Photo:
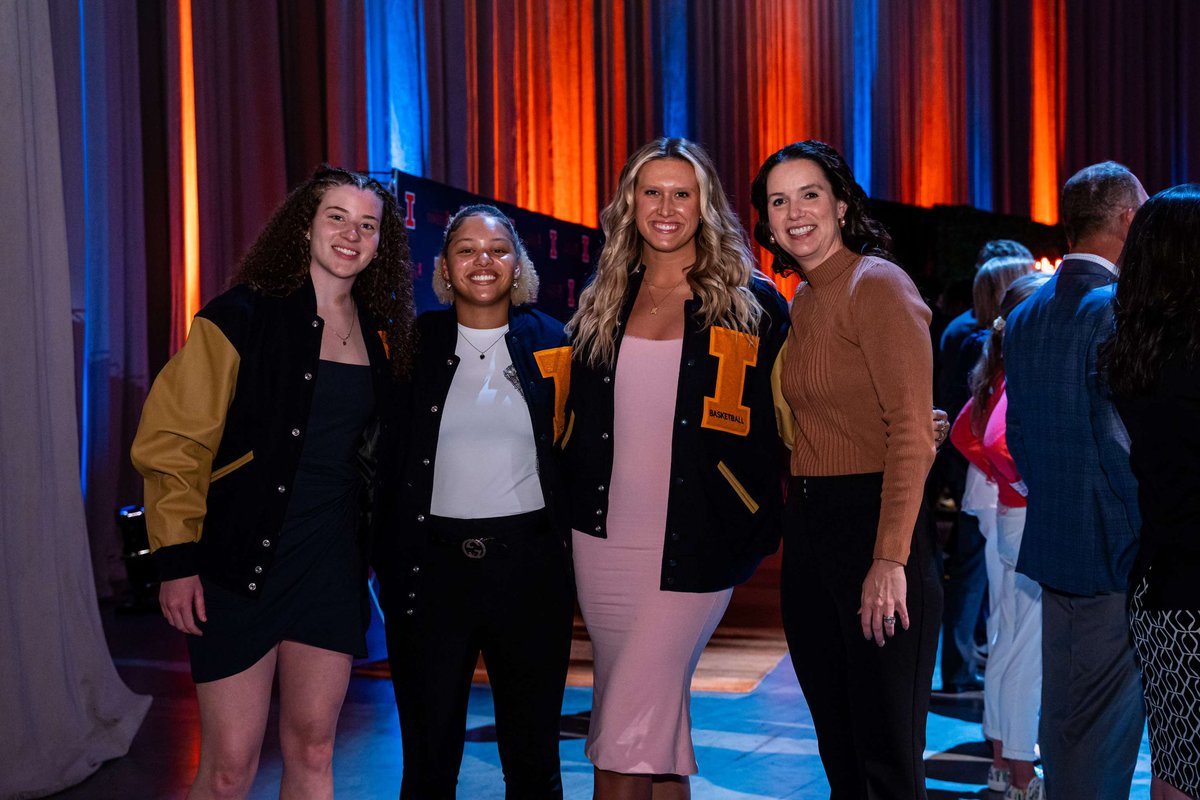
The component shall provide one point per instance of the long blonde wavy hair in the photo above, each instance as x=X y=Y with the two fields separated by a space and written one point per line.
x=720 y=277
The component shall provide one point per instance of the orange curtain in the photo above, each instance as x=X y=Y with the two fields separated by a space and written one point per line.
x=1048 y=103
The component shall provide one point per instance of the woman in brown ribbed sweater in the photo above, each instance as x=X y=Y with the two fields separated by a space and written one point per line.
x=861 y=600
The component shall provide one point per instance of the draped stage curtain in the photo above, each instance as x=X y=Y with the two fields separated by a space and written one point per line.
x=932 y=101
x=63 y=704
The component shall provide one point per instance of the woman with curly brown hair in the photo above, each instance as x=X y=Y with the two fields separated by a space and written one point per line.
x=257 y=444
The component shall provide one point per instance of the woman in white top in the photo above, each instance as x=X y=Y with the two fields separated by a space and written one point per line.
x=475 y=560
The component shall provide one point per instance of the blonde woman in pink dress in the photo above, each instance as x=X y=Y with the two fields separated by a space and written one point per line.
x=672 y=453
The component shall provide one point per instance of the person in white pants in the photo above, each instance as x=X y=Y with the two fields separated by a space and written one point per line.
x=1012 y=689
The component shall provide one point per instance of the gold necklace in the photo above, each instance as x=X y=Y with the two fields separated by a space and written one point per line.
x=353 y=317
x=650 y=287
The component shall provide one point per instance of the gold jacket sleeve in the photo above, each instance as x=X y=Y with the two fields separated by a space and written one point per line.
x=180 y=430
x=784 y=421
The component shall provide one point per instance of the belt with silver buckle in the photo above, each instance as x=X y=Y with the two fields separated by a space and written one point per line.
x=475 y=548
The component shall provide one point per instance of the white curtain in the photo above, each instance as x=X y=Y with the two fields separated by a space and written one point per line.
x=63 y=707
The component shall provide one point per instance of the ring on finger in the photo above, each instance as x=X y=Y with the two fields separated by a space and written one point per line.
x=889 y=620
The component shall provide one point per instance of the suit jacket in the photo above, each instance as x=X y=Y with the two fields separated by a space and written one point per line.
x=1081 y=532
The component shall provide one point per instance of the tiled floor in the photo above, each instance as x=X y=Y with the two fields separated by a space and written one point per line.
x=756 y=746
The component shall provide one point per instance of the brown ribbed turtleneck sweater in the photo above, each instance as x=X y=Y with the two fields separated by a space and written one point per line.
x=859 y=380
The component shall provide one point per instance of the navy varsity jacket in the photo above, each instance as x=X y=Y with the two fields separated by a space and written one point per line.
x=541 y=355
x=727 y=459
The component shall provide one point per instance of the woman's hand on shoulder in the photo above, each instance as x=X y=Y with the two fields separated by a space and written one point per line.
x=884 y=592
x=941 y=427
x=182 y=603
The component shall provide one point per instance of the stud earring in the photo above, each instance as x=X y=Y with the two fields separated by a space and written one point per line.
x=308 y=236
x=841 y=222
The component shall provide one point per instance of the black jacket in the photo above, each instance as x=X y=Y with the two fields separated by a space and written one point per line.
x=221 y=433
x=541 y=355
x=727 y=460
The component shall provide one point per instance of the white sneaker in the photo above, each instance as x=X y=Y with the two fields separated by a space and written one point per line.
x=1036 y=790
x=997 y=778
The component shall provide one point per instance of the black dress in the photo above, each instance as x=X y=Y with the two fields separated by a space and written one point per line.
x=315 y=594
x=1164 y=432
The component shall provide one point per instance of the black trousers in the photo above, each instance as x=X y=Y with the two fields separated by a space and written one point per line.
x=868 y=703
x=515 y=605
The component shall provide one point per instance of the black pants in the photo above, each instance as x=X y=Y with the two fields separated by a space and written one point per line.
x=515 y=605
x=868 y=703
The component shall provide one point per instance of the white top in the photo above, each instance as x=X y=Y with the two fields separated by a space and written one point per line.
x=1101 y=260
x=486 y=462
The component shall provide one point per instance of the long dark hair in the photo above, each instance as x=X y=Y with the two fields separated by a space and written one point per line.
x=1158 y=293
x=862 y=233
x=278 y=261
x=991 y=361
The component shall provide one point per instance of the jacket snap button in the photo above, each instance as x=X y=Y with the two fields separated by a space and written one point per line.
x=420 y=517
x=281 y=488
x=308 y=376
x=258 y=570
x=600 y=488
x=674 y=537
x=316 y=323
x=670 y=581
x=683 y=422
x=599 y=528
x=691 y=362
x=449 y=362
x=252 y=586
x=604 y=436
x=295 y=431
x=416 y=569
x=408 y=611
x=672 y=563
x=607 y=379
x=266 y=542
x=412 y=595
x=599 y=512
x=433 y=409
x=425 y=461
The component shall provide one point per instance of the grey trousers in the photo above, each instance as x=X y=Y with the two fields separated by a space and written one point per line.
x=1093 y=712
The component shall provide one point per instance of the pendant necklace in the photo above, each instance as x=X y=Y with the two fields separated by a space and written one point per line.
x=654 y=303
x=483 y=352
x=346 y=338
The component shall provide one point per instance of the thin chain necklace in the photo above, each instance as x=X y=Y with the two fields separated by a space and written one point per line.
x=353 y=317
x=483 y=352
x=655 y=303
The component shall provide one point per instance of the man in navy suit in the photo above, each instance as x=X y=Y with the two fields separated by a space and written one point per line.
x=1081 y=531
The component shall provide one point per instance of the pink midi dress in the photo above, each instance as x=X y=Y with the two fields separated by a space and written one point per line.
x=646 y=641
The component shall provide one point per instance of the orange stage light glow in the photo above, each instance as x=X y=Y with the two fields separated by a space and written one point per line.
x=1048 y=69
x=1046 y=266
x=191 y=199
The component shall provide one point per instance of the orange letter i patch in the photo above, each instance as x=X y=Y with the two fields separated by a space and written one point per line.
x=556 y=365
x=735 y=351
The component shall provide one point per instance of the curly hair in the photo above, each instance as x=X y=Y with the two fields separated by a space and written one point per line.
x=1158 y=293
x=279 y=260
x=720 y=277
x=862 y=233
x=987 y=369
x=525 y=286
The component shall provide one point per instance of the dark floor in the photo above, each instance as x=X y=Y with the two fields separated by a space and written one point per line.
x=756 y=746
